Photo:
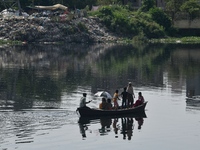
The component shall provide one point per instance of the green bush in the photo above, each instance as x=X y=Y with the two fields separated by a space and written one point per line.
x=192 y=7
x=146 y=26
x=153 y=30
x=147 y=5
x=106 y=11
x=160 y=17
x=121 y=20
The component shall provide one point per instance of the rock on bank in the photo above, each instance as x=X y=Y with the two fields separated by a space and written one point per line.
x=41 y=29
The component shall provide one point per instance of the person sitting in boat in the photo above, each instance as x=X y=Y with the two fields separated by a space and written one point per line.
x=83 y=101
x=115 y=99
x=140 y=100
x=103 y=104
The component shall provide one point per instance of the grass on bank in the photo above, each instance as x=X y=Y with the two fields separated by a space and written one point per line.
x=9 y=42
x=182 y=40
x=169 y=40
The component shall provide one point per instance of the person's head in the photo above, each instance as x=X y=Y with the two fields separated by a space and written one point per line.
x=129 y=84
x=103 y=99
x=84 y=94
x=125 y=88
x=140 y=93
x=116 y=91
x=109 y=100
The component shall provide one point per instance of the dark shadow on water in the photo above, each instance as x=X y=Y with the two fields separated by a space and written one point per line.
x=120 y=126
x=193 y=105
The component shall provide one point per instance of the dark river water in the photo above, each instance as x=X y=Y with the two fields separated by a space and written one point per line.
x=41 y=86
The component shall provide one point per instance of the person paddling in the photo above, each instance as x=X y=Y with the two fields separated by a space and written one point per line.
x=83 y=101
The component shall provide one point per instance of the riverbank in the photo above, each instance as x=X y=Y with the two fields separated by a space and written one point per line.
x=44 y=30
x=20 y=29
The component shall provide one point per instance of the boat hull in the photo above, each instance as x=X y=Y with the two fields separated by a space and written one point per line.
x=90 y=112
x=194 y=99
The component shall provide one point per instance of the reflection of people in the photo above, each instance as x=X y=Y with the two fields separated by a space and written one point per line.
x=83 y=128
x=130 y=94
x=115 y=127
x=124 y=129
x=129 y=128
x=140 y=122
x=105 y=125
x=140 y=100
x=83 y=101
x=115 y=98
x=103 y=104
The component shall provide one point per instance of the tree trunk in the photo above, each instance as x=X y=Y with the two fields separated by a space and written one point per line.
x=19 y=7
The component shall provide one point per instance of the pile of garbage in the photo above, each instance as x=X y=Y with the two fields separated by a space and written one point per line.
x=48 y=27
x=11 y=12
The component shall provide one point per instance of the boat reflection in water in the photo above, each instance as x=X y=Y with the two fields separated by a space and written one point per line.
x=193 y=102
x=105 y=126
x=123 y=125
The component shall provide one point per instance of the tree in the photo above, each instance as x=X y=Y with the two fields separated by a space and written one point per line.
x=173 y=6
x=147 y=5
x=192 y=7
x=11 y=4
x=160 y=17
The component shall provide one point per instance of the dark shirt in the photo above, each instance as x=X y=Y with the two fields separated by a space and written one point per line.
x=124 y=95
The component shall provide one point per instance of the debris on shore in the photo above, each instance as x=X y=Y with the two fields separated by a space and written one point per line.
x=46 y=27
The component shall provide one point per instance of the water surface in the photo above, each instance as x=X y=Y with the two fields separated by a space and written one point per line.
x=41 y=85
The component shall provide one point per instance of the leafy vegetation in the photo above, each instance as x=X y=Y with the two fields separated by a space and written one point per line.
x=2 y=42
x=160 y=17
x=147 y=5
x=183 y=40
x=192 y=7
x=121 y=20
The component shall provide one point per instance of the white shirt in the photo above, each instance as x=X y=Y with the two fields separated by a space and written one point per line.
x=82 y=102
x=130 y=90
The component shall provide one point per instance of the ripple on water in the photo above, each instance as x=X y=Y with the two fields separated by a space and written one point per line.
x=23 y=126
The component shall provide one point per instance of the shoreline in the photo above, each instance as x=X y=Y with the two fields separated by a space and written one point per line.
x=41 y=30
x=17 y=30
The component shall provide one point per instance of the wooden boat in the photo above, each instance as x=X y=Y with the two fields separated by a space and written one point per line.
x=92 y=112
x=193 y=99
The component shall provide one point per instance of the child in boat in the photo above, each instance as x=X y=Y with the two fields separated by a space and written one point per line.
x=140 y=100
x=115 y=98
